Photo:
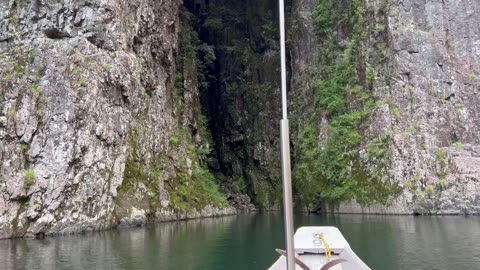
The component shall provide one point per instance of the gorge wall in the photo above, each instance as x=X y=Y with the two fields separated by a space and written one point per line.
x=123 y=112
x=382 y=100
x=243 y=95
x=421 y=65
x=96 y=128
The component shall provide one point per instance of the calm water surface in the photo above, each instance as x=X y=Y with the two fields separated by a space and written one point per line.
x=248 y=242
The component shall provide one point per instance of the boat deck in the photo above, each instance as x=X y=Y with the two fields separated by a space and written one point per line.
x=313 y=261
x=311 y=245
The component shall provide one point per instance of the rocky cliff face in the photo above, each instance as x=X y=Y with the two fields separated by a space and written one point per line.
x=94 y=131
x=426 y=99
x=435 y=60
x=407 y=112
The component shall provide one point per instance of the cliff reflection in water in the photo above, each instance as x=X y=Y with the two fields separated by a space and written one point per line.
x=248 y=242
x=172 y=245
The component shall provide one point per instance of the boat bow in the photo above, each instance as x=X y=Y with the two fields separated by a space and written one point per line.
x=321 y=248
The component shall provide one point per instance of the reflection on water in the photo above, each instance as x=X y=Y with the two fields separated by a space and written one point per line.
x=248 y=242
x=165 y=246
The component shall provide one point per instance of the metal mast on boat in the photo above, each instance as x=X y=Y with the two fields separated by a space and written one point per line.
x=285 y=141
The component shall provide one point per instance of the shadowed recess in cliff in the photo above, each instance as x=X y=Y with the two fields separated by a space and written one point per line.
x=239 y=92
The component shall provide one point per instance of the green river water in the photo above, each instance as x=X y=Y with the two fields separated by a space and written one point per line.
x=248 y=242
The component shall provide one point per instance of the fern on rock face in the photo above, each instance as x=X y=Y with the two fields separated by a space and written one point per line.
x=343 y=164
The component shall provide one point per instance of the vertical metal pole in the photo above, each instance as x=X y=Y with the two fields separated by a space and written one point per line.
x=287 y=178
x=287 y=195
x=283 y=60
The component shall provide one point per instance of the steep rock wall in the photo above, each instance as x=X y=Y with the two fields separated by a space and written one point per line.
x=243 y=97
x=427 y=100
x=90 y=116
x=418 y=65
x=436 y=61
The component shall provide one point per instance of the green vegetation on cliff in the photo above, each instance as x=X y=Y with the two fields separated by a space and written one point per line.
x=195 y=186
x=241 y=97
x=195 y=190
x=178 y=173
x=343 y=162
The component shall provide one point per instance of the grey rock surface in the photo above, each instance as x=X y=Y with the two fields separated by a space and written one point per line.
x=434 y=62
x=86 y=86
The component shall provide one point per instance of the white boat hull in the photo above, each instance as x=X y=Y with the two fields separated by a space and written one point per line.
x=312 y=252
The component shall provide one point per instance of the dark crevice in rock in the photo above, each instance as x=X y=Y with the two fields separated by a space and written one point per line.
x=55 y=33
x=452 y=95
x=241 y=102
x=98 y=39
x=37 y=4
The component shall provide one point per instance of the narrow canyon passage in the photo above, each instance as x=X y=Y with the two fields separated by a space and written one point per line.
x=123 y=113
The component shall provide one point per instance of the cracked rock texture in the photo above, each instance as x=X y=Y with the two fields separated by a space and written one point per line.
x=84 y=86
x=434 y=61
